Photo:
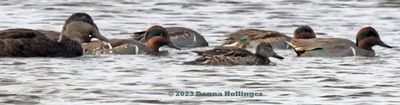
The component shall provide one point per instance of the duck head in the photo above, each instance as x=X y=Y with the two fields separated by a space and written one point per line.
x=304 y=32
x=368 y=37
x=265 y=50
x=157 y=36
x=80 y=27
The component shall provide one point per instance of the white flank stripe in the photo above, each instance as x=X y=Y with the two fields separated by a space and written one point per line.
x=109 y=46
x=354 y=51
x=136 y=49
x=194 y=39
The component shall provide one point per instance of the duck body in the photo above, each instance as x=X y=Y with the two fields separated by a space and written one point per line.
x=180 y=36
x=229 y=56
x=257 y=36
x=232 y=55
x=367 y=37
x=31 y=43
x=52 y=35
x=119 y=46
x=329 y=47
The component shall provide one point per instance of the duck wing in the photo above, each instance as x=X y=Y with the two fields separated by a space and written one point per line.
x=257 y=36
x=180 y=36
x=52 y=35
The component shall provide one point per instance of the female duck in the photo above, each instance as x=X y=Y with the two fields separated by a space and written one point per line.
x=155 y=37
x=180 y=36
x=235 y=56
x=367 y=37
x=276 y=39
x=30 y=43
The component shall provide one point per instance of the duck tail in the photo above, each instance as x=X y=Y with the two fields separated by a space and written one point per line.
x=298 y=52
x=199 y=52
x=290 y=44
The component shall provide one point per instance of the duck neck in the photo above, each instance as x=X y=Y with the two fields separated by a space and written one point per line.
x=366 y=43
x=153 y=46
x=71 y=47
x=266 y=60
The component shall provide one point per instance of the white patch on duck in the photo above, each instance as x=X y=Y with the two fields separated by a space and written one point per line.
x=110 y=47
x=194 y=39
x=354 y=51
x=136 y=49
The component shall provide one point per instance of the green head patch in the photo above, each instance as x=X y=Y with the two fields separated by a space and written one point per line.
x=365 y=33
x=155 y=30
x=152 y=33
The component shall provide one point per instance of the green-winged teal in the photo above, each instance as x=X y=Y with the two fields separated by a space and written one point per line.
x=31 y=43
x=180 y=36
x=155 y=37
x=232 y=55
x=276 y=39
x=367 y=37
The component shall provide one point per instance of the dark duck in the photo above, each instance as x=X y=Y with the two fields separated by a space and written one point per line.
x=78 y=28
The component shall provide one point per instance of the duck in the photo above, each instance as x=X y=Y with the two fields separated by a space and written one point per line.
x=182 y=37
x=231 y=55
x=275 y=38
x=366 y=38
x=78 y=28
x=155 y=37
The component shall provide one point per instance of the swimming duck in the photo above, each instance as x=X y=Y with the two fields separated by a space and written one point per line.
x=276 y=39
x=229 y=55
x=155 y=37
x=366 y=38
x=31 y=43
x=180 y=36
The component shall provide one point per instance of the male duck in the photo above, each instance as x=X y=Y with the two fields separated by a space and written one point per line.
x=224 y=55
x=31 y=43
x=180 y=36
x=155 y=37
x=367 y=37
x=276 y=39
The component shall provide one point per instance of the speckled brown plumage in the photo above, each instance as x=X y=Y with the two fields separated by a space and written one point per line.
x=276 y=39
x=235 y=56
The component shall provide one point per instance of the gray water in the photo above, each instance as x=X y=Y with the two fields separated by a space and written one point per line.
x=143 y=79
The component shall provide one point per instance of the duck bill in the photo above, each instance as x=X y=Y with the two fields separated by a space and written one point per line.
x=384 y=45
x=96 y=34
x=172 y=45
x=277 y=56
